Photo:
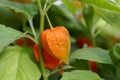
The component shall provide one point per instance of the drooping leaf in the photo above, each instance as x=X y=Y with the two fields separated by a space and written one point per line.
x=28 y=10
x=112 y=17
x=92 y=54
x=118 y=1
x=8 y=35
x=106 y=29
x=108 y=10
x=15 y=64
x=105 y=4
x=7 y=18
x=80 y=75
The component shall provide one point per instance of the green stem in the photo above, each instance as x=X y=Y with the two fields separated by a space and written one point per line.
x=43 y=11
x=42 y=19
x=40 y=6
x=43 y=70
x=45 y=5
x=49 y=21
x=33 y=30
x=48 y=7
x=92 y=37
x=93 y=40
x=42 y=67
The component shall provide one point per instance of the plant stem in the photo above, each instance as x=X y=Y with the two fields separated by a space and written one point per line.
x=92 y=37
x=48 y=7
x=45 y=5
x=43 y=70
x=49 y=21
x=43 y=11
x=42 y=67
x=33 y=30
x=55 y=71
x=93 y=40
x=42 y=19
x=40 y=6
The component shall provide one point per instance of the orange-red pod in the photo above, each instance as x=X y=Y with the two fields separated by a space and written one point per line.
x=56 y=41
x=49 y=61
x=80 y=43
x=20 y=41
x=36 y=54
x=93 y=66
x=25 y=41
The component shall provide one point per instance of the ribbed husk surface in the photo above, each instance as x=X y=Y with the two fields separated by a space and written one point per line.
x=56 y=41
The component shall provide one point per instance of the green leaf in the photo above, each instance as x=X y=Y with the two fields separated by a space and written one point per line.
x=88 y=14
x=105 y=4
x=72 y=39
x=80 y=64
x=8 y=35
x=80 y=75
x=28 y=10
x=15 y=64
x=106 y=29
x=9 y=19
x=92 y=54
x=108 y=10
x=118 y=1
x=112 y=17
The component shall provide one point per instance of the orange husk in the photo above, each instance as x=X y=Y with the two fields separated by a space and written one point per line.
x=56 y=41
x=49 y=61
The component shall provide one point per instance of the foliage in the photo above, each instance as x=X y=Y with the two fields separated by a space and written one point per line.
x=15 y=62
x=87 y=75
x=94 y=22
